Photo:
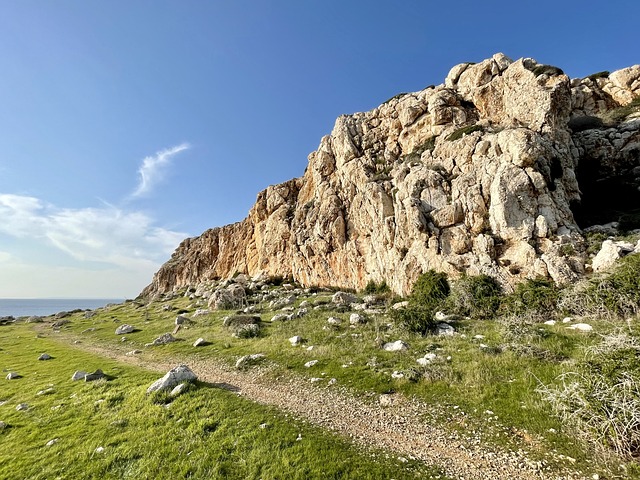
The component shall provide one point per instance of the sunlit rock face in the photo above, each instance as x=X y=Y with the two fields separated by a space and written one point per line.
x=482 y=174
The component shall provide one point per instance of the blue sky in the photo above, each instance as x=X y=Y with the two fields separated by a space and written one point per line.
x=126 y=126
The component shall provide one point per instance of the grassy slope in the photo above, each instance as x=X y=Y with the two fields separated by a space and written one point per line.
x=204 y=433
x=475 y=381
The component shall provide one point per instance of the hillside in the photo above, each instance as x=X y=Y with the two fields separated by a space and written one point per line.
x=497 y=171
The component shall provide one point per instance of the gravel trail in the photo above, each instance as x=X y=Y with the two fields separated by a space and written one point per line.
x=398 y=427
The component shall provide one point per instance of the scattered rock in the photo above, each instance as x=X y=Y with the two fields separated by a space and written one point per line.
x=60 y=323
x=3 y=426
x=333 y=381
x=397 y=346
x=399 y=305
x=582 y=327
x=334 y=321
x=45 y=356
x=200 y=342
x=567 y=320
x=78 y=375
x=182 y=320
x=610 y=252
x=427 y=359
x=344 y=298
x=134 y=352
x=248 y=360
x=200 y=313
x=175 y=376
x=124 y=329
x=310 y=363
x=46 y=391
x=13 y=375
x=357 y=319
x=52 y=442
x=550 y=322
x=445 y=329
x=99 y=450
x=22 y=406
x=163 y=339
x=281 y=317
x=397 y=374
x=178 y=389
x=295 y=340
x=92 y=377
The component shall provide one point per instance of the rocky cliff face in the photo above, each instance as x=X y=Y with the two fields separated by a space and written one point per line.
x=482 y=174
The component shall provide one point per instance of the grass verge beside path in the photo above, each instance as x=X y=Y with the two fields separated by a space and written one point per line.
x=113 y=429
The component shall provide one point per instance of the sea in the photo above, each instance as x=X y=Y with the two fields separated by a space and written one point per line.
x=27 y=307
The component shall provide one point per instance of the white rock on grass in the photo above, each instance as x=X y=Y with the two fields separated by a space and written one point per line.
x=334 y=321
x=13 y=375
x=134 y=352
x=295 y=340
x=124 y=329
x=22 y=406
x=582 y=327
x=200 y=342
x=248 y=360
x=427 y=359
x=45 y=356
x=310 y=363
x=356 y=319
x=178 y=389
x=162 y=340
x=397 y=346
x=78 y=375
x=52 y=442
x=344 y=298
x=550 y=322
x=444 y=329
x=175 y=376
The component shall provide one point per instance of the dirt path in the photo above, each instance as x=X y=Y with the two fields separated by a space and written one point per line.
x=399 y=427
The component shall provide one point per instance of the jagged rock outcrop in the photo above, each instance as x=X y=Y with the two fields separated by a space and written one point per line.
x=481 y=175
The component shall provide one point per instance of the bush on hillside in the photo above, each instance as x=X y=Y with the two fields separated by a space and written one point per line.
x=428 y=294
x=373 y=287
x=477 y=296
x=533 y=297
x=612 y=294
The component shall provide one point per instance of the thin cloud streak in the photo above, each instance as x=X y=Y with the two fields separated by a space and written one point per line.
x=153 y=169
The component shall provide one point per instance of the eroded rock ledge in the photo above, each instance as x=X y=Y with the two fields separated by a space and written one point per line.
x=482 y=174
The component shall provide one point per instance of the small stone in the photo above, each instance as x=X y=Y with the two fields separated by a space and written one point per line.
x=397 y=374
x=310 y=363
x=178 y=389
x=134 y=352
x=333 y=381
x=334 y=321
x=582 y=327
x=444 y=329
x=79 y=375
x=264 y=425
x=200 y=342
x=316 y=380
x=295 y=340
x=52 y=442
x=97 y=375
x=567 y=320
x=356 y=319
x=45 y=356
x=46 y=391
x=550 y=322
x=3 y=426
x=396 y=346
x=13 y=375
x=124 y=329
x=248 y=360
x=22 y=406
x=162 y=340
x=182 y=320
x=99 y=450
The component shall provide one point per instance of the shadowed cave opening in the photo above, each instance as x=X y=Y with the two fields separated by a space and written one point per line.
x=607 y=196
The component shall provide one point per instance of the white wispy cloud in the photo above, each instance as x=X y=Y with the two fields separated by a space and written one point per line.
x=108 y=234
x=153 y=168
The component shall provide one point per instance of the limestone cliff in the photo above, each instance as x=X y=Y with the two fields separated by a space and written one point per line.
x=482 y=174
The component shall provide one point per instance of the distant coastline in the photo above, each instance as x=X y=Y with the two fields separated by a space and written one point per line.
x=26 y=307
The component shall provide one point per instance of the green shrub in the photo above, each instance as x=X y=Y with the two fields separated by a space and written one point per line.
x=547 y=70
x=477 y=296
x=612 y=294
x=617 y=115
x=373 y=287
x=603 y=74
x=428 y=294
x=461 y=132
x=533 y=297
